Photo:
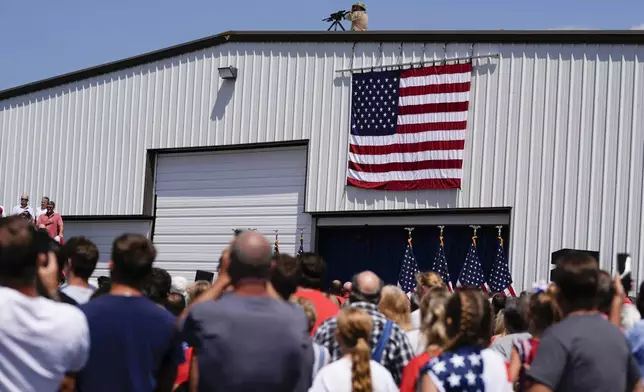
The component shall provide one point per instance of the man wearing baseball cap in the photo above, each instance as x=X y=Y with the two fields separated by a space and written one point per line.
x=358 y=17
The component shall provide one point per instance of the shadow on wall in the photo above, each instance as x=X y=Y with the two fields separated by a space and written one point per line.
x=224 y=95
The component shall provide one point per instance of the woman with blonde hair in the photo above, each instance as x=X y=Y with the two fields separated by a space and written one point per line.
x=355 y=371
x=433 y=335
x=465 y=363
x=425 y=281
x=394 y=304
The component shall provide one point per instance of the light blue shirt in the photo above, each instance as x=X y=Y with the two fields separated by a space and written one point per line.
x=79 y=294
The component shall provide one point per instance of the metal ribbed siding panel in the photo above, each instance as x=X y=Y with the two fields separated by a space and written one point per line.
x=554 y=133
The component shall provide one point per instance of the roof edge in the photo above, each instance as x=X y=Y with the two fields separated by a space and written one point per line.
x=623 y=37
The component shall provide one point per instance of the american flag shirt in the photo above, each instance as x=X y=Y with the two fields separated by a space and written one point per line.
x=397 y=353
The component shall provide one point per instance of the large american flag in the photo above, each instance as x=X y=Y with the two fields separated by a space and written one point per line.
x=408 y=128
x=472 y=272
x=408 y=271
x=500 y=279
x=440 y=267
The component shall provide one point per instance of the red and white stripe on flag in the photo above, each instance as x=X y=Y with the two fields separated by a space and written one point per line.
x=408 y=128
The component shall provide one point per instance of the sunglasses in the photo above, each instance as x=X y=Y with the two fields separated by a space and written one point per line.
x=24 y=199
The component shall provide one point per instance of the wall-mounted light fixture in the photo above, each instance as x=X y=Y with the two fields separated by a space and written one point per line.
x=228 y=72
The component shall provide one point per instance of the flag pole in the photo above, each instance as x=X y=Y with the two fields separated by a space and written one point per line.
x=440 y=237
x=409 y=230
x=499 y=228
x=474 y=237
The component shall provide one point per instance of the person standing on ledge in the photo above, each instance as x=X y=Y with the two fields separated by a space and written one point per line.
x=358 y=17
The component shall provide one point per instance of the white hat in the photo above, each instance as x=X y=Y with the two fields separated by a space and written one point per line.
x=179 y=285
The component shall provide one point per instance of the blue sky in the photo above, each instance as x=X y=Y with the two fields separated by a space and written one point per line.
x=44 y=38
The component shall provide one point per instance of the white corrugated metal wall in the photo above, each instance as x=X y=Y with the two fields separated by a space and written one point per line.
x=554 y=132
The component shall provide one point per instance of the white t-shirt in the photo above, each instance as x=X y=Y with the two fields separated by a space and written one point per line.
x=336 y=377
x=417 y=341
x=40 y=211
x=17 y=210
x=415 y=319
x=40 y=341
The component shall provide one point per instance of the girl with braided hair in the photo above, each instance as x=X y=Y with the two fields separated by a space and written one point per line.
x=355 y=371
x=466 y=365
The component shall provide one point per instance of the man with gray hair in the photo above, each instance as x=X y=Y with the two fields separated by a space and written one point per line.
x=247 y=340
x=389 y=343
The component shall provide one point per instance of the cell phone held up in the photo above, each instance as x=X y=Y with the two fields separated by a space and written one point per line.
x=624 y=268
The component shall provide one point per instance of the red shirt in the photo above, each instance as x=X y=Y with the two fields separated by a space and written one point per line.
x=324 y=307
x=183 y=371
x=411 y=372
x=52 y=223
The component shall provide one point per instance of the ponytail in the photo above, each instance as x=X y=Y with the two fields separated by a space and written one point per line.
x=354 y=331
x=360 y=369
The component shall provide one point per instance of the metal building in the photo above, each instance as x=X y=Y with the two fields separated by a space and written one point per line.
x=161 y=144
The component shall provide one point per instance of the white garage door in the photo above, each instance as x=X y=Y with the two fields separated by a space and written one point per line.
x=103 y=233
x=202 y=197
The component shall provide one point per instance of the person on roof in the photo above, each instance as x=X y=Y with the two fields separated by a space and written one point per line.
x=358 y=17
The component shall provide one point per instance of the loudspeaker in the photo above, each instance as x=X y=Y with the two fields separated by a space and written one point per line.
x=556 y=255
x=204 y=275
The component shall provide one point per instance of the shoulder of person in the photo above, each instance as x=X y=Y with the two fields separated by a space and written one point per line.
x=70 y=316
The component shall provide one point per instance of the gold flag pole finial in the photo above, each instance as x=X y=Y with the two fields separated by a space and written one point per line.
x=440 y=237
x=474 y=237
x=499 y=228
x=409 y=230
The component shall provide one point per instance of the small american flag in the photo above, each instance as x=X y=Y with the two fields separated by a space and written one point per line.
x=300 y=250
x=500 y=279
x=408 y=128
x=440 y=266
x=472 y=272
x=408 y=271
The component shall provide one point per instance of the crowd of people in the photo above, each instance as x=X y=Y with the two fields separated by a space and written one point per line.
x=267 y=324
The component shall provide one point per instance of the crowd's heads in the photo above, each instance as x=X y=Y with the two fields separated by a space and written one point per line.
x=353 y=333
x=605 y=292
x=250 y=257
x=639 y=301
x=82 y=256
x=313 y=269
x=366 y=287
x=432 y=311
x=51 y=206
x=347 y=288
x=131 y=259
x=336 y=287
x=577 y=276
x=498 y=303
x=196 y=289
x=18 y=256
x=285 y=275
x=176 y=303
x=427 y=280
x=44 y=202
x=179 y=285
x=515 y=315
x=468 y=319
x=394 y=304
x=544 y=310
x=309 y=310
x=24 y=200
x=157 y=285
x=104 y=281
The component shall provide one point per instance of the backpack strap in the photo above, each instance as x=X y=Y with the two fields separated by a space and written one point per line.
x=382 y=342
